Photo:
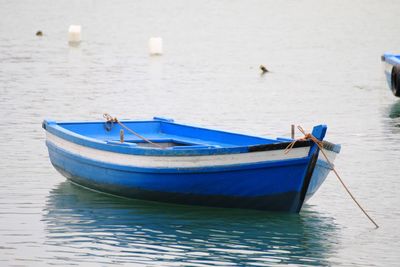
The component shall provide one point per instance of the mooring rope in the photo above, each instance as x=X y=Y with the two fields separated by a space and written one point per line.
x=309 y=136
x=111 y=119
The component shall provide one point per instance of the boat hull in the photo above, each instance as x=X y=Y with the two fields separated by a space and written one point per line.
x=320 y=173
x=190 y=165
x=261 y=186
x=391 y=66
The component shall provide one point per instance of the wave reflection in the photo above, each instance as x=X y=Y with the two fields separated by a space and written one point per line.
x=91 y=227
x=394 y=111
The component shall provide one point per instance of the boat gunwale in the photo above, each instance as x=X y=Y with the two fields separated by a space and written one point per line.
x=56 y=129
x=392 y=59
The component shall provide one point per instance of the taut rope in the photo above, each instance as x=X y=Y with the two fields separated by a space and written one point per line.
x=309 y=136
x=111 y=119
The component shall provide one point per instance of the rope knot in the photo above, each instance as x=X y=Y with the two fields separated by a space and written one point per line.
x=109 y=118
x=307 y=136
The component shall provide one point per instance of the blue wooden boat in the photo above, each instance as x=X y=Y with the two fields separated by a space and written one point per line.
x=189 y=165
x=391 y=64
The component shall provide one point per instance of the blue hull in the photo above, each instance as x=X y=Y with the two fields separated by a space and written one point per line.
x=268 y=187
x=196 y=166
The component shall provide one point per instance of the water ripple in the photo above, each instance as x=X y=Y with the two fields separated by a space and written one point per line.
x=76 y=218
x=325 y=68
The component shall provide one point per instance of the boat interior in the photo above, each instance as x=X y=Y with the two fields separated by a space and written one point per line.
x=165 y=134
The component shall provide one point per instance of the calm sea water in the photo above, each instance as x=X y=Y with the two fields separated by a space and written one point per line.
x=324 y=58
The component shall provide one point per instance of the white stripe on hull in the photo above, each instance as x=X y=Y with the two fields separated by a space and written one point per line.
x=175 y=161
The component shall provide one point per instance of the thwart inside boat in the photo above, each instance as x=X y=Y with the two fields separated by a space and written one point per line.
x=162 y=143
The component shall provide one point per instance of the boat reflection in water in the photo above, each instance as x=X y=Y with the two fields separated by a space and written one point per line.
x=393 y=124
x=100 y=229
x=394 y=111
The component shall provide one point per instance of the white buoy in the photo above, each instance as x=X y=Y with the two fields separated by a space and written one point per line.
x=155 y=46
x=74 y=34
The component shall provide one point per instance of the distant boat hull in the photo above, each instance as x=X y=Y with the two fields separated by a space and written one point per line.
x=391 y=65
x=264 y=179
